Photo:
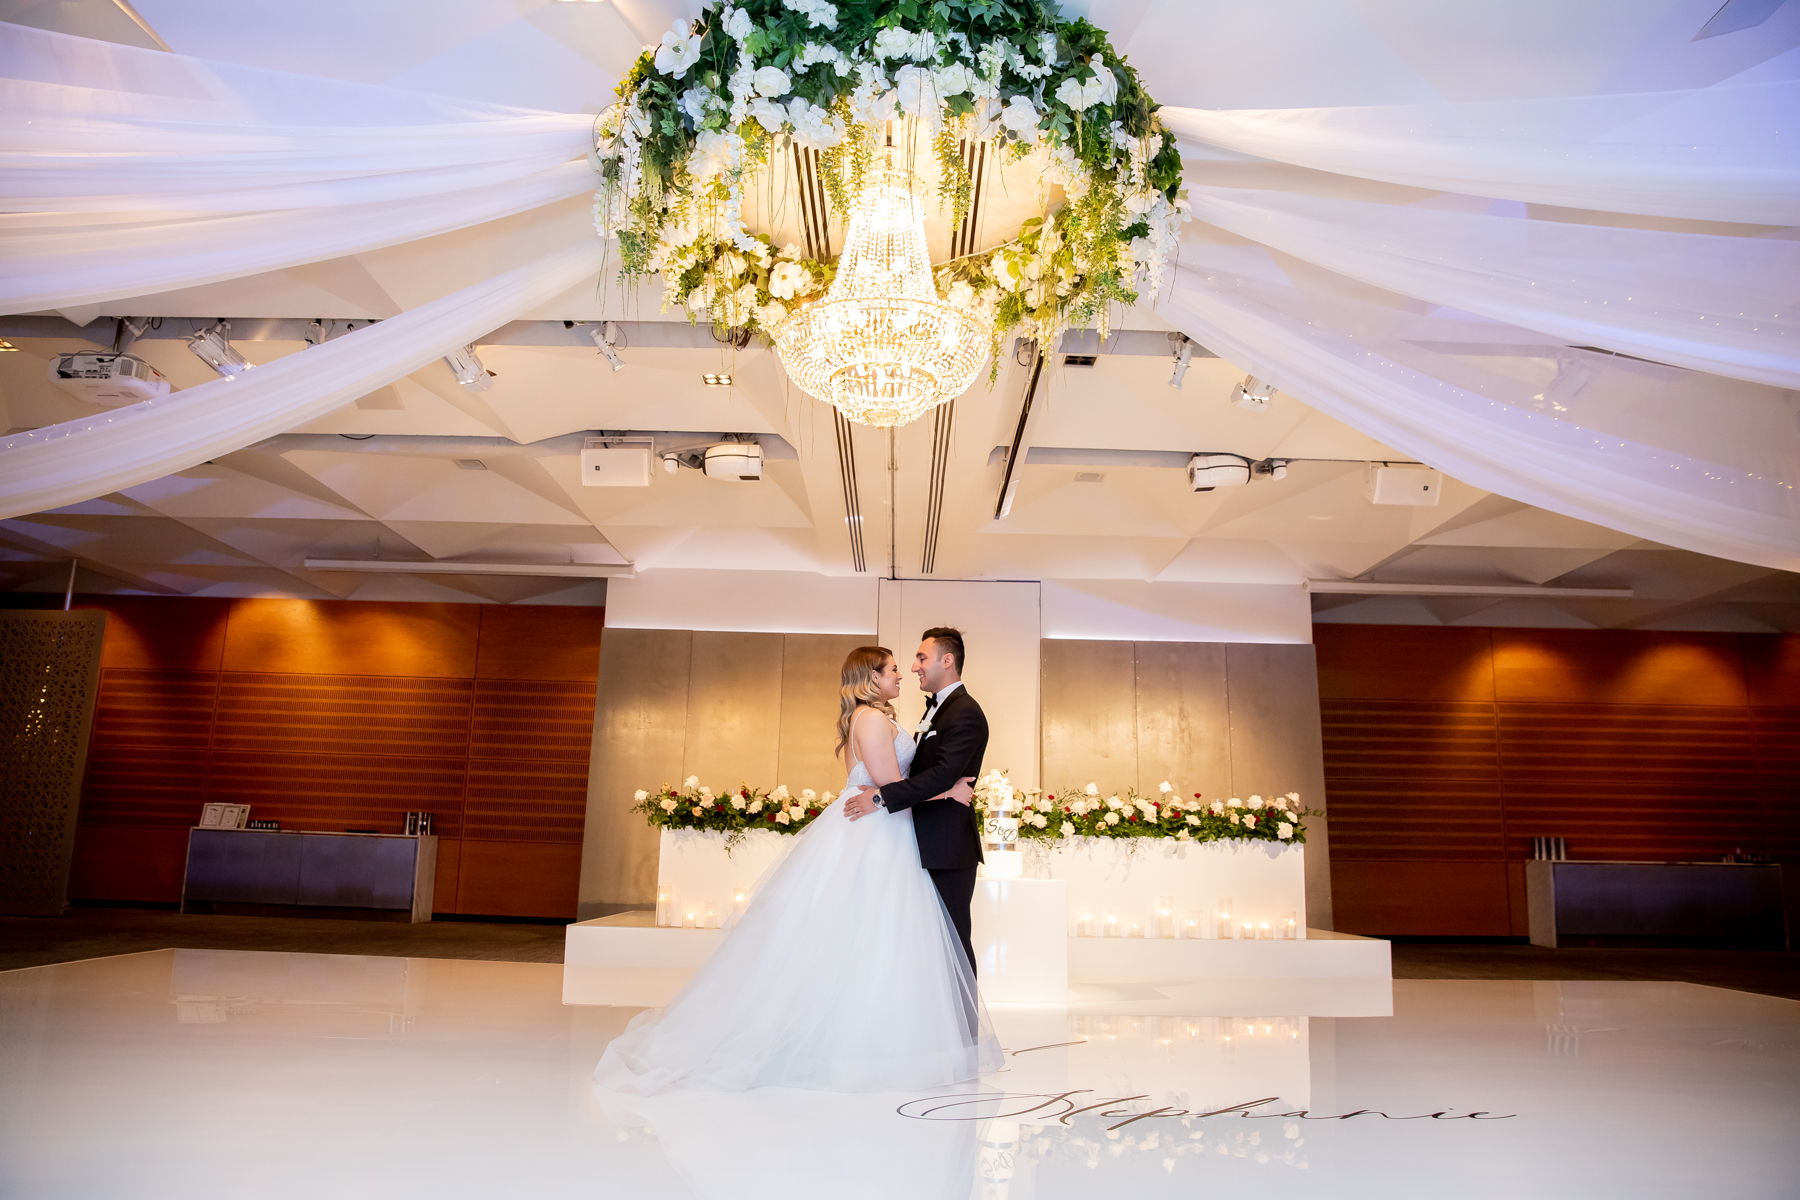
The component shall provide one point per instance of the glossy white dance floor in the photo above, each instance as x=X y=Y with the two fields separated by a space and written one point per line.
x=199 y=1074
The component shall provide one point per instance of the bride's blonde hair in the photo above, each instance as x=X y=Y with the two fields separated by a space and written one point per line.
x=858 y=688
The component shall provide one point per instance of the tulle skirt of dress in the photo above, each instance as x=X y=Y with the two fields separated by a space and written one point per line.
x=843 y=974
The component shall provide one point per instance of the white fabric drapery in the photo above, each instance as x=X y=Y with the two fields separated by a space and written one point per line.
x=1702 y=301
x=78 y=460
x=60 y=260
x=1622 y=444
x=1726 y=153
x=96 y=127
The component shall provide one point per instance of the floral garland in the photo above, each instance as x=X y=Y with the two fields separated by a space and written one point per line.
x=721 y=96
x=1083 y=812
x=732 y=813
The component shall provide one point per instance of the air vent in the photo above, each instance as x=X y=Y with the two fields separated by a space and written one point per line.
x=471 y=464
x=1078 y=360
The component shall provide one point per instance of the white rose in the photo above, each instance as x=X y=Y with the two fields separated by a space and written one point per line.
x=1092 y=789
x=780 y=792
x=918 y=93
x=668 y=806
x=1040 y=821
x=698 y=811
x=1068 y=829
x=1165 y=787
x=738 y=25
x=691 y=781
x=1112 y=818
x=770 y=115
x=1284 y=830
x=1021 y=116
x=1234 y=819
x=772 y=81
x=829 y=797
x=1249 y=820
x=706 y=793
x=1112 y=802
x=1193 y=820
x=783 y=818
x=953 y=80
x=756 y=806
x=1256 y=802
x=641 y=795
x=737 y=802
x=961 y=295
x=893 y=42
x=1182 y=835
x=806 y=794
x=679 y=52
x=1218 y=808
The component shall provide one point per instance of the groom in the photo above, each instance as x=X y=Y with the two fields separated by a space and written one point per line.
x=951 y=740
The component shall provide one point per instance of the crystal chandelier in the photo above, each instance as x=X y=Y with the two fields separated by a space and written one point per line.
x=881 y=346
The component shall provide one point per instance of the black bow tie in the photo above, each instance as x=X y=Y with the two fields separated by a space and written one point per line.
x=931 y=702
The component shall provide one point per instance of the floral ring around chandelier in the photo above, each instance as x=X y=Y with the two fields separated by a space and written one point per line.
x=878 y=332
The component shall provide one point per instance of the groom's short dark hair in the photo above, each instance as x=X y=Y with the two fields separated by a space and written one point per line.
x=949 y=640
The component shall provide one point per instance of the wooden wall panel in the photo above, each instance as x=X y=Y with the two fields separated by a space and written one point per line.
x=1443 y=898
x=733 y=710
x=1087 y=690
x=1404 y=662
x=334 y=715
x=539 y=642
x=1607 y=666
x=811 y=667
x=306 y=637
x=327 y=714
x=1183 y=717
x=162 y=633
x=1630 y=745
x=519 y=879
x=640 y=736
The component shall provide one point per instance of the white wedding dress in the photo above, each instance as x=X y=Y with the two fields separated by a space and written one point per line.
x=842 y=974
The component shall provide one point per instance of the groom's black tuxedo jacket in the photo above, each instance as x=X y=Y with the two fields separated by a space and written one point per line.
x=949 y=833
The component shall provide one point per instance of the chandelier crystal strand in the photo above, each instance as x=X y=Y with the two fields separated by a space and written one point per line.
x=880 y=345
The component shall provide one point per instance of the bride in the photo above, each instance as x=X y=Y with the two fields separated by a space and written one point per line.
x=844 y=972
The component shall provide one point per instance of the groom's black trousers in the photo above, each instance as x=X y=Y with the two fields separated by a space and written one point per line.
x=957 y=886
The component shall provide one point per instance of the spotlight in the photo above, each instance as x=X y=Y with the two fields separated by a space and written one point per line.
x=1270 y=468
x=213 y=347
x=720 y=380
x=468 y=370
x=1184 y=350
x=1252 y=394
x=7 y=347
x=606 y=338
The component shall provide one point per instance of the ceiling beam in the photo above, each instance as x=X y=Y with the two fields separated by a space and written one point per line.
x=1358 y=587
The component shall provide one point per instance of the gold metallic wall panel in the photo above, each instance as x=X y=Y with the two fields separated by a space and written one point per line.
x=810 y=671
x=1183 y=718
x=1089 y=715
x=734 y=709
x=640 y=733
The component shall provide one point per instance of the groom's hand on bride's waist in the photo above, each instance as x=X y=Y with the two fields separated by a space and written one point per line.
x=860 y=802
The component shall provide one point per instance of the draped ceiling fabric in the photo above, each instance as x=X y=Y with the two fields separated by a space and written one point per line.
x=1583 y=303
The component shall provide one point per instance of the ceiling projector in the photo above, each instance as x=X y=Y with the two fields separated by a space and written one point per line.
x=1209 y=471
x=109 y=380
x=734 y=460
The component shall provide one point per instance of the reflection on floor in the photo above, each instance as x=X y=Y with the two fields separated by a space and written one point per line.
x=212 y=1073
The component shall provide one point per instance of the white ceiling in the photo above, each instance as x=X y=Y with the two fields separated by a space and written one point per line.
x=243 y=524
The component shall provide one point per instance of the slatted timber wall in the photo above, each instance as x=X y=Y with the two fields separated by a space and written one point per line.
x=344 y=715
x=1448 y=749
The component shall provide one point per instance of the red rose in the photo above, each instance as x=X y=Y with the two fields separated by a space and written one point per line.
x=770 y=817
x=1133 y=820
x=1196 y=795
x=812 y=812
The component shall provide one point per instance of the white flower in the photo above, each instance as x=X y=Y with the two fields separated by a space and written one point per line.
x=737 y=802
x=1193 y=820
x=770 y=115
x=918 y=92
x=711 y=155
x=1165 y=787
x=961 y=295
x=1112 y=818
x=780 y=792
x=1250 y=820
x=706 y=793
x=953 y=80
x=756 y=806
x=783 y=819
x=1112 y=802
x=1284 y=830
x=1067 y=828
x=691 y=781
x=679 y=51
x=1182 y=835
x=828 y=797
x=788 y=280
x=641 y=795
x=1021 y=116
x=1234 y=819
x=668 y=806
x=1047 y=48
x=805 y=794
x=816 y=12
x=814 y=127
x=1218 y=808
x=738 y=24
x=893 y=42
x=772 y=81
x=1256 y=802
x=698 y=811
x=1092 y=789
x=1294 y=796
x=1040 y=821
x=693 y=103
x=1103 y=88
